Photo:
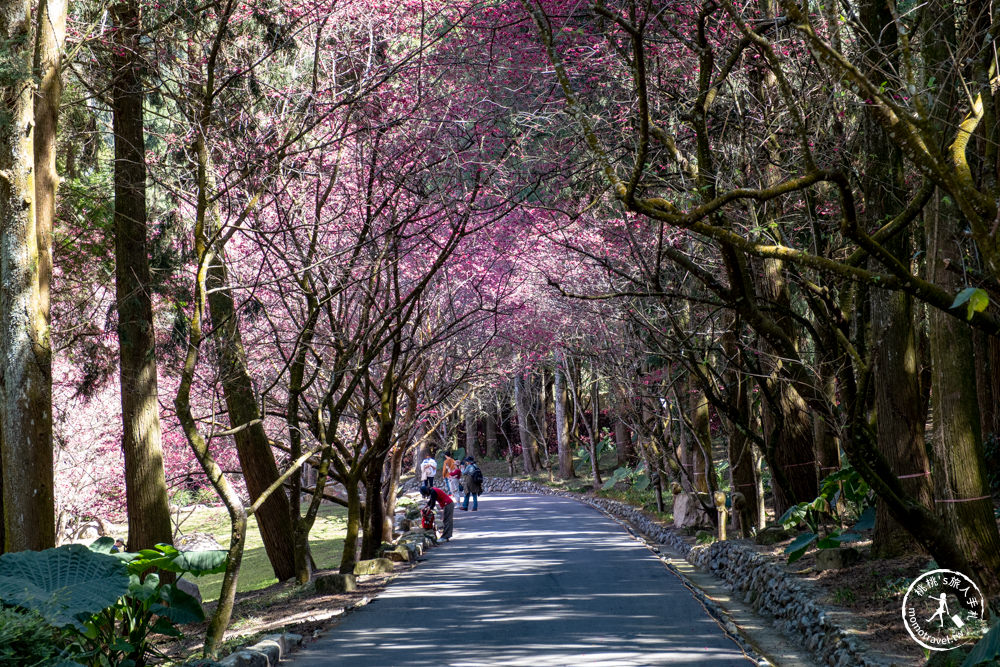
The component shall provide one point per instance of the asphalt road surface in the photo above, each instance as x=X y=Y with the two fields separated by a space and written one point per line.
x=530 y=580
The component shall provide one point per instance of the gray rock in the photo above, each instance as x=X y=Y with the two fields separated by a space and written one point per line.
x=190 y=588
x=196 y=542
x=270 y=648
x=772 y=535
x=336 y=583
x=399 y=554
x=689 y=513
x=245 y=658
x=837 y=559
x=284 y=642
x=373 y=566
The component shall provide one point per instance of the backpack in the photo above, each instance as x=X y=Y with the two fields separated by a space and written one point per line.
x=427 y=518
x=477 y=477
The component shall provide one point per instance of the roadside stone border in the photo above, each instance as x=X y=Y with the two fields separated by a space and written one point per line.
x=265 y=653
x=774 y=594
x=760 y=583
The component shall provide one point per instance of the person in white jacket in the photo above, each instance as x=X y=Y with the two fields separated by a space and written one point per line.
x=428 y=469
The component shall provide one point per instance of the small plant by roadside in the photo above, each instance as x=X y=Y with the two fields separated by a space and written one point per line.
x=842 y=487
x=96 y=608
x=843 y=595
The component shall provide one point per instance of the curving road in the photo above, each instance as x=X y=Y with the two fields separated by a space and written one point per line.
x=530 y=580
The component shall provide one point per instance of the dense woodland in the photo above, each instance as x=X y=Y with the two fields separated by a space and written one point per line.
x=280 y=249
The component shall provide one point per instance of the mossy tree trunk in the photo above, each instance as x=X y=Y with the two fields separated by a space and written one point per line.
x=960 y=485
x=25 y=377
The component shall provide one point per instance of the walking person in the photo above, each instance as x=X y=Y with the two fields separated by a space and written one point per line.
x=472 y=481
x=434 y=496
x=451 y=473
x=428 y=469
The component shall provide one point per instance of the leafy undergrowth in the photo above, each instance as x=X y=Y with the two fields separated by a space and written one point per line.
x=326 y=541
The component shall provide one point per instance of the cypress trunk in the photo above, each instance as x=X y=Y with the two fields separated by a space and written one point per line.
x=471 y=432
x=743 y=467
x=527 y=437
x=492 y=450
x=701 y=443
x=145 y=483
x=960 y=485
x=788 y=425
x=564 y=448
x=25 y=379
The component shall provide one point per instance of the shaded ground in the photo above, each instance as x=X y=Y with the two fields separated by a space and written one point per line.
x=281 y=608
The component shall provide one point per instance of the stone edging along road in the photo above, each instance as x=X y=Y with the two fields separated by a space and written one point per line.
x=760 y=583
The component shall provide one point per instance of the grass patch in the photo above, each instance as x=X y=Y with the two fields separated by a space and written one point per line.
x=326 y=542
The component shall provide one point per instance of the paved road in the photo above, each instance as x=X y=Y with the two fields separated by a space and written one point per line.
x=530 y=580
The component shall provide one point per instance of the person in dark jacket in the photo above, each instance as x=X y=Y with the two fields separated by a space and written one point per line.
x=434 y=496
x=472 y=487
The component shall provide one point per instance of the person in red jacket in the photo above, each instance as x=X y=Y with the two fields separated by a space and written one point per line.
x=436 y=495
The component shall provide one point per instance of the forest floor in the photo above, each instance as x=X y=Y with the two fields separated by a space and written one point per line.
x=870 y=591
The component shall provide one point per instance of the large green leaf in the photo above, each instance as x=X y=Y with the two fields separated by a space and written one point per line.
x=179 y=607
x=798 y=547
x=61 y=583
x=986 y=649
x=198 y=563
x=641 y=482
x=866 y=521
x=103 y=545
x=975 y=298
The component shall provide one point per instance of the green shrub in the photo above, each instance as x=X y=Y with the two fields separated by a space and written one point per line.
x=62 y=585
x=26 y=640
x=123 y=633
x=103 y=607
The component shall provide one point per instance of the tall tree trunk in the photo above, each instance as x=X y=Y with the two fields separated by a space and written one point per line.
x=350 y=556
x=595 y=429
x=900 y=417
x=788 y=423
x=742 y=460
x=389 y=491
x=987 y=349
x=145 y=483
x=527 y=436
x=471 y=432
x=252 y=445
x=374 y=508
x=50 y=40
x=492 y=450
x=541 y=421
x=900 y=410
x=623 y=435
x=563 y=446
x=960 y=484
x=701 y=442
x=25 y=377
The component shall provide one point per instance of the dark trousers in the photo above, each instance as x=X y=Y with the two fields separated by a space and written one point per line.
x=449 y=521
